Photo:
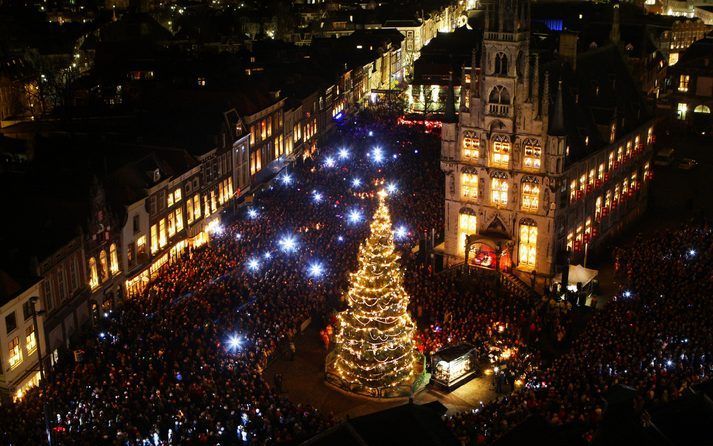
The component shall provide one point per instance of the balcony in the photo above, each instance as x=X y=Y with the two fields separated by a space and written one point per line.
x=499 y=109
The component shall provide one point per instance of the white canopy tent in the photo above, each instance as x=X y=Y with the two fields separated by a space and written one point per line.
x=578 y=274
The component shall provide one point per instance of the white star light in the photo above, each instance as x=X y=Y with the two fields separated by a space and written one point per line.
x=253 y=264
x=401 y=232
x=377 y=154
x=343 y=154
x=286 y=179
x=288 y=243
x=329 y=162
x=315 y=270
x=391 y=188
x=354 y=216
x=252 y=213
x=234 y=342
x=356 y=182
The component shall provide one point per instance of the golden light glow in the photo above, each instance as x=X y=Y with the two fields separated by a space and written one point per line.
x=467 y=225
x=374 y=341
x=528 y=245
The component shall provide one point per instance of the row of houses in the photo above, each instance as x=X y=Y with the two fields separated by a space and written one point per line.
x=103 y=203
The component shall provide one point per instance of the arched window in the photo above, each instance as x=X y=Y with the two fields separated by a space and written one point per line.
x=469 y=185
x=702 y=109
x=499 y=191
x=103 y=265
x=499 y=95
x=533 y=154
x=113 y=259
x=527 y=252
x=471 y=145
x=93 y=274
x=501 y=64
x=467 y=225
x=501 y=151
x=530 y=194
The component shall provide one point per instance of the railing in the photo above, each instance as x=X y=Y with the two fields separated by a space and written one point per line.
x=499 y=109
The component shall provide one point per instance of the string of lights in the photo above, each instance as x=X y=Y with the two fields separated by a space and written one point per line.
x=375 y=335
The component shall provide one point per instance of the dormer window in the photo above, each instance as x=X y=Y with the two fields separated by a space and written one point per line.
x=156 y=175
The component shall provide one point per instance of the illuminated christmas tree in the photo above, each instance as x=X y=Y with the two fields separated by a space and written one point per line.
x=375 y=350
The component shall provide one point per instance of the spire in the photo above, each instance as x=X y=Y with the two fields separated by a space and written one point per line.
x=450 y=111
x=614 y=34
x=557 y=123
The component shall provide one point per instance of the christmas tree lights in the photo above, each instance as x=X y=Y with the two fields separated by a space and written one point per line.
x=374 y=341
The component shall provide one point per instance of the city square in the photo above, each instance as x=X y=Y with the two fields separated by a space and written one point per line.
x=325 y=249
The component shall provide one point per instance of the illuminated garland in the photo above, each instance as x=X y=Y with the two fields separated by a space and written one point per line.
x=374 y=337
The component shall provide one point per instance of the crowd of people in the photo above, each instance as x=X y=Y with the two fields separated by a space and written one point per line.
x=183 y=363
x=654 y=337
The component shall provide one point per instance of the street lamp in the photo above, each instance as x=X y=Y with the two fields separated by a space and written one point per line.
x=43 y=383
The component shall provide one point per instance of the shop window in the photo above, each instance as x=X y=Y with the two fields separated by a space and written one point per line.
x=499 y=191
x=528 y=245
x=469 y=186
x=530 y=196
x=467 y=225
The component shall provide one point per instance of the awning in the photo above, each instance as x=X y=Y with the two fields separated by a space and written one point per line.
x=578 y=274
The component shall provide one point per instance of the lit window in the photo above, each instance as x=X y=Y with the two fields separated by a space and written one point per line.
x=171 y=225
x=501 y=152
x=189 y=211
x=587 y=229
x=598 y=208
x=616 y=194
x=600 y=172
x=611 y=161
x=628 y=148
x=650 y=135
x=591 y=178
x=612 y=133
x=471 y=146
x=682 y=110
x=607 y=200
x=646 y=171
x=154 y=239
x=197 y=206
x=570 y=241
x=179 y=219
x=113 y=259
x=170 y=200
x=619 y=154
x=533 y=155
x=162 y=233
x=103 y=265
x=14 y=352
x=467 y=225
x=530 y=196
x=141 y=246
x=528 y=245
x=93 y=274
x=573 y=190
x=177 y=195
x=30 y=340
x=499 y=191
x=625 y=186
x=582 y=183
x=683 y=83
x=469 y=185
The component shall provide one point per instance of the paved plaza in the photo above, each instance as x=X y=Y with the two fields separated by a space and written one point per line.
x=303 y=382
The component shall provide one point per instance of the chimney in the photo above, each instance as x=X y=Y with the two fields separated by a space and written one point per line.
x=568 y=48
